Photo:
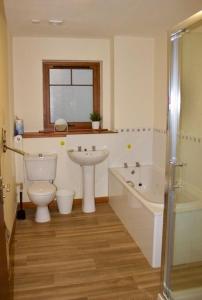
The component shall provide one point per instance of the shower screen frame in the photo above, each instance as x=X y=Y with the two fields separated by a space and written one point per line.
x=172 y=144
x=174 y=109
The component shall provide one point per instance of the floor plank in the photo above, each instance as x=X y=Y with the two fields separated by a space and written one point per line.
x=80 y=257
x=186 y=276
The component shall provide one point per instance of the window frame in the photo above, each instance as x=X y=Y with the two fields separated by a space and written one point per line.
x=47 y=65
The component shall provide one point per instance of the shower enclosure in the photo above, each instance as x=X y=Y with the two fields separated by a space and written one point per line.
x=182 y=266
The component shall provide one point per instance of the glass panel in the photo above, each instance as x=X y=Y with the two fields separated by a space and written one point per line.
x=72 y=103
x=185 y=280
x=60 y=76
x=174 y=114
x=82 y=76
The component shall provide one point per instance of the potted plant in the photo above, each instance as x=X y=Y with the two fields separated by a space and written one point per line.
x=95 y=118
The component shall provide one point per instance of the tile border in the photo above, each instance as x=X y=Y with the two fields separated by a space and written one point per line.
x=140 y=130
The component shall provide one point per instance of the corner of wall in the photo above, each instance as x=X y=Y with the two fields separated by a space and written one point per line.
x=112 y=125
x=160 y=99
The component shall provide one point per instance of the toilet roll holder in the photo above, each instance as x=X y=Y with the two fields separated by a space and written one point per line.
x=6 y=147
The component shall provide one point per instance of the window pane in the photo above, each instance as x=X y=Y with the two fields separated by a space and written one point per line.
x=60 y=76
x=82 y=76
x=72 y=103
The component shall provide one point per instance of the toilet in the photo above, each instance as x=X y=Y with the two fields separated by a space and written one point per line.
x=41 y=172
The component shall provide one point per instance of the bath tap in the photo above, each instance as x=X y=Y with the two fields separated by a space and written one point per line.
x=125 y=165
x=137 y=164
x=93 y=148
x=130 y=183
x=79 y=148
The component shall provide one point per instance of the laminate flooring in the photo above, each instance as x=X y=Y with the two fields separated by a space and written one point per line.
x=187 y=276
x=80 y=257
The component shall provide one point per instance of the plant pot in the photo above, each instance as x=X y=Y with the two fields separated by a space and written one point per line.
x=95 y=124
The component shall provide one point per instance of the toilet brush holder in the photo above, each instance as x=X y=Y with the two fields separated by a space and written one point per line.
x=21 y=212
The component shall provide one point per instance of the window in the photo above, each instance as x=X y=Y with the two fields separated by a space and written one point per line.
x=71 y=92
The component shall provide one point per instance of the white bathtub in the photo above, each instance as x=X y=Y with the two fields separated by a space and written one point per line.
x=137 y=195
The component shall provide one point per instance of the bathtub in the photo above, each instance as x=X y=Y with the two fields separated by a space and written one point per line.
x=136 y=194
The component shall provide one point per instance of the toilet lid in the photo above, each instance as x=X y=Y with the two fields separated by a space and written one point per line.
x=41 y=188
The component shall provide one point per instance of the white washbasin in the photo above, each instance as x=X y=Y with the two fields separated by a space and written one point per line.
x=89 y=157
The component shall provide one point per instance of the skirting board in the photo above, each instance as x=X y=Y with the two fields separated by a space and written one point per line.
x=98 y=200
x=77 y=202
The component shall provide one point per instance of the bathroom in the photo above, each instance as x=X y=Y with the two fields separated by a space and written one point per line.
x=133 y=104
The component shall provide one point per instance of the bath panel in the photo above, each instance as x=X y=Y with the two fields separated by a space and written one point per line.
x=142 y=218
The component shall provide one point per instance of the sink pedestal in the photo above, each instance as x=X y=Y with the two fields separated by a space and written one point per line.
x=87 y=159
x=88 y=204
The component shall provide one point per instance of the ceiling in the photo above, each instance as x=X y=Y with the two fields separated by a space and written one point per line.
x=97 y=18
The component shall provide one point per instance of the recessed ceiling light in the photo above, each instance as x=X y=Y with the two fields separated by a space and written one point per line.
x=36 y=21
x=55 y=21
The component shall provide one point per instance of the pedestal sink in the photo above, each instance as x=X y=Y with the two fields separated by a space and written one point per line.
x=87 y=160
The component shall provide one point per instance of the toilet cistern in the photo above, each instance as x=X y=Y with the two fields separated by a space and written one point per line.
x=87 y=160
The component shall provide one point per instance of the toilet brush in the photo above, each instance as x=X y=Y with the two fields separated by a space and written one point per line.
x=21 y=212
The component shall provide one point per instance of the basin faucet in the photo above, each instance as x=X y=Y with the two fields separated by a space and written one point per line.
x=79 y=148
x=93 y=148
x=125 y=165
x=137 y=164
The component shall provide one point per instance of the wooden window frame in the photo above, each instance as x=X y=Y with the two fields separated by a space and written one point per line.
x=47 y=65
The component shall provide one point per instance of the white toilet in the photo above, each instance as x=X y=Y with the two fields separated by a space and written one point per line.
x=41 y=171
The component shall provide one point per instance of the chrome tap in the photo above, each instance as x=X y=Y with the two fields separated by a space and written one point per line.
x=130 y=183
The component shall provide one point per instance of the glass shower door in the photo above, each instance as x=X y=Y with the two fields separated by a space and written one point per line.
x=183 y=265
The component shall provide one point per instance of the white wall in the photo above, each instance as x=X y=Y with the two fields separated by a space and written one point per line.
x=128 y=94
x=124 y=147
x=160 y=104
x=127 y=77
x=191 y=113
x=191 y=84
x=159 y=148
x=160 y=80
x=133 y=82
x=28 y=54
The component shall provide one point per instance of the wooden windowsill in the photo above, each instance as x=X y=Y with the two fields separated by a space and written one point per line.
x=43 y=133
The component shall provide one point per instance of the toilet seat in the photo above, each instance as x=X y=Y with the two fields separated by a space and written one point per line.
x=41 y=188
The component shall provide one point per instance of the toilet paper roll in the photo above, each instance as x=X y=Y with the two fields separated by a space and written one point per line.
x=18 y=141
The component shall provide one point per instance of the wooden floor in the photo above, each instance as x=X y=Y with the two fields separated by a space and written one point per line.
x=81 y=257
x=187 y=276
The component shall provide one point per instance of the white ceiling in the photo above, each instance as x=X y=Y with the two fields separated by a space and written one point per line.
x=97 y=18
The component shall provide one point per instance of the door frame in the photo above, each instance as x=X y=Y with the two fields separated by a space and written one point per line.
x=5 y=292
